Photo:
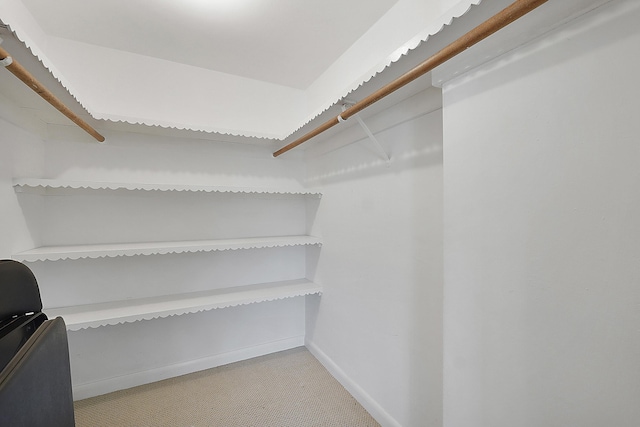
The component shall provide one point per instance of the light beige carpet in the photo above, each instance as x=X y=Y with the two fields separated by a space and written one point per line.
x=285 y=389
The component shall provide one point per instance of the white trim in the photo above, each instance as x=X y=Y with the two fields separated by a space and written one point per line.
x=108 y=385
x=373 y=407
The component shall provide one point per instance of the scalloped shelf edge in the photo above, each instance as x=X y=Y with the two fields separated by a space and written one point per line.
x=59 y=254
x=36 y=184
x=76 y=321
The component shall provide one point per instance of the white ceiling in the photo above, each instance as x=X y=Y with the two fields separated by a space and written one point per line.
x=268 y=71
x=286 y=42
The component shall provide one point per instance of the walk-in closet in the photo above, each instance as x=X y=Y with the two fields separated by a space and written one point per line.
x=436 y=203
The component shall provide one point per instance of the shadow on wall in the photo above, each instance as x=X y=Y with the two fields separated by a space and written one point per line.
x=410 y=145
x=565 y=45
x=138 y=157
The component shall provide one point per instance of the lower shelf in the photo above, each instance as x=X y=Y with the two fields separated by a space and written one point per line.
x=113 y=313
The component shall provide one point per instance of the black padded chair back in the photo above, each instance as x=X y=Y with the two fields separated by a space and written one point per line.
x=19 y=293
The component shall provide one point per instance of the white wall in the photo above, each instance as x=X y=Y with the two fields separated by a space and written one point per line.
x=22 y=154
x=377 y=326
x=542 y=231
x=113 y=357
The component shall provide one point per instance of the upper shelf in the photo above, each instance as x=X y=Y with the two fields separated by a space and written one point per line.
x=36 y=185
x=55 y=253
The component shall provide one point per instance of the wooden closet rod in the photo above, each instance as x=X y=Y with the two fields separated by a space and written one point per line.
x=503 y=18
x=20 y=72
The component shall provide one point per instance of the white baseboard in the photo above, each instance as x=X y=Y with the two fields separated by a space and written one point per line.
x=108 y=385
x=376 y=411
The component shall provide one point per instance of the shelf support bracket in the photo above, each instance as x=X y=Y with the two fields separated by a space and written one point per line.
x=376 y=144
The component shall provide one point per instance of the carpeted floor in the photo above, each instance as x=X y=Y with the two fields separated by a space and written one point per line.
x=285 y=389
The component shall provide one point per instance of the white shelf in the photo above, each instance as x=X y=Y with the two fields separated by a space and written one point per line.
x=113 y=313
x=41 y=186
x=55 y=253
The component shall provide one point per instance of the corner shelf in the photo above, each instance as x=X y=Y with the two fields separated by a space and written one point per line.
x=42 y=186
x=113 y=313
x=56 y=253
